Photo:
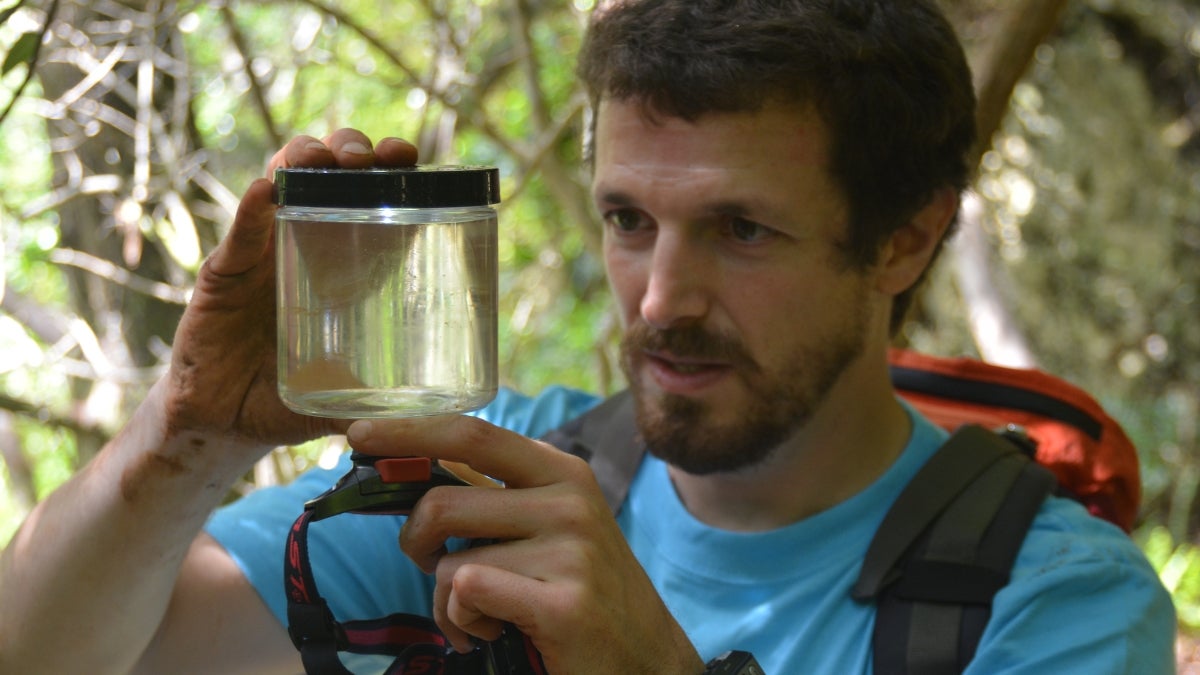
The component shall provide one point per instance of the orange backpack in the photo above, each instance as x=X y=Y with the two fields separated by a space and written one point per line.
x=1086 y=449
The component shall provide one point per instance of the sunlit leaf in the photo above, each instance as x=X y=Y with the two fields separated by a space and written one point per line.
x=23 y=52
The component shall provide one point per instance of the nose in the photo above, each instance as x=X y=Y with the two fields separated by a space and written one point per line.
x=678 y=284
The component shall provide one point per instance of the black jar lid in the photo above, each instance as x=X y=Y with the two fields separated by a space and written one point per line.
x=423 y=186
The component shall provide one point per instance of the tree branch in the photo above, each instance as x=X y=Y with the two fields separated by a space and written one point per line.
x=527 y=58
x=996 y=332
x=1028 y=24
x=20 y=473
x=49 y=324
x=44 y=416
x=256 y=90
x=120 y=276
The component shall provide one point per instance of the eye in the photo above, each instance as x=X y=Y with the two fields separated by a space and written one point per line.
x=748 y=231
x=627 y=220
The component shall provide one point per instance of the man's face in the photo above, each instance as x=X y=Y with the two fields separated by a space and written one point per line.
x=721 y=246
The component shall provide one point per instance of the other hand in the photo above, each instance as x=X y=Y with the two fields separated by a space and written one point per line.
x=560 y=570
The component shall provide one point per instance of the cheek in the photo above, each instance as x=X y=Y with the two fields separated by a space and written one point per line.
x=625 y=282
x=775 y=311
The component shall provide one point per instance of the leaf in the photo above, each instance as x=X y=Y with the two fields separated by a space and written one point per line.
x=24 y=51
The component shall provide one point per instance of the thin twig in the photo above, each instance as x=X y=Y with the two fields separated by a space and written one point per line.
x=527 y=58
x=44 y=416
x=256 y=90
x=120 y=276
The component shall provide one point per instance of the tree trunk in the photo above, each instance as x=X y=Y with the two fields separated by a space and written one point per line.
x=997 y=69
x=116 y=129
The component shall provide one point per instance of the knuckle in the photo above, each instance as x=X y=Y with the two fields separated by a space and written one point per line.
x=472 y=432
x=575 y=509
x=433 y=507
x=577 y=471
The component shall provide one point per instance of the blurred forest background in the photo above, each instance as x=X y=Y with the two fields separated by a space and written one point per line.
x=128 y=130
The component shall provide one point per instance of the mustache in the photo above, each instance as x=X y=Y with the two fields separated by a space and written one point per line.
x=692 y=342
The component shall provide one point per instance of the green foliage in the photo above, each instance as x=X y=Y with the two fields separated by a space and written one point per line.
x=1178 y=566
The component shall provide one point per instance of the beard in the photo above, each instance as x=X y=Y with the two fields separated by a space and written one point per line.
x=681 y=430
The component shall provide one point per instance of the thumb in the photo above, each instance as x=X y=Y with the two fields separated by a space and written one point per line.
x=250 y=236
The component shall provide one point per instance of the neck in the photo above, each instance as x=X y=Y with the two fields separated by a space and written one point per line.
x=852 y=439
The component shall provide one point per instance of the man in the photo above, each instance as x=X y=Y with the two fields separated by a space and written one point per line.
x=775 y=177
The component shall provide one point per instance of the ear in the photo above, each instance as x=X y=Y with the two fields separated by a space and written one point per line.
x=912 y=247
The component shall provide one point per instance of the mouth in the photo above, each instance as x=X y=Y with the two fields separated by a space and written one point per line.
x=689 y=361
x=682 y=365
x=681 y=375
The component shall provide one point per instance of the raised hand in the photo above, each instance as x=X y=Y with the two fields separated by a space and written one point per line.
x=223 y=370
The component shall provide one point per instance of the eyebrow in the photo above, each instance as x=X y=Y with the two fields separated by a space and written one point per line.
x=616 y=198
x=724 y=208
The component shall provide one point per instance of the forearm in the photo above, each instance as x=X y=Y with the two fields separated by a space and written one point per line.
x=95 y=563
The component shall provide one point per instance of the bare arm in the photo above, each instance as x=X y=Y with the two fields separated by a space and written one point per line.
x=97 y=561
x=216 y=622
x=110 y=566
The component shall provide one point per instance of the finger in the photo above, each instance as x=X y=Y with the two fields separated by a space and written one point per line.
x=351 y=149
x=460 y=639
x=464 y=513
x=392 y=151
x=249 y=238
x=491 y=450
x=301 y=151
x=463 y=615
x=482 y=598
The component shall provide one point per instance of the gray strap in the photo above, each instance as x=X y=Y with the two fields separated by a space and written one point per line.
x=933 y=637
x=607 y=437
x=934 y=598
x=965 y=456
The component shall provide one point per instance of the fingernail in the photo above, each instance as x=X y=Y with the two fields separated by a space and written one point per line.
x=356 y=148
x=359 y=431
x=316 y=145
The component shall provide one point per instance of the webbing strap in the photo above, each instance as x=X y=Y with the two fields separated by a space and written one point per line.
x=963 y=458
x=934 y=599
x=954 y=578
x=414 y=640
x=311 y=625
x=607 y=437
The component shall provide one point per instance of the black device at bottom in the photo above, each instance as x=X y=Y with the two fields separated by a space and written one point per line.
x=734 y=663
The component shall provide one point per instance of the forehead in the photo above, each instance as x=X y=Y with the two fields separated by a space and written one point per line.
x=779 y=144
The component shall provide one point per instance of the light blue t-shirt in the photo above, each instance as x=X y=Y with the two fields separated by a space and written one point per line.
x=1082 y=598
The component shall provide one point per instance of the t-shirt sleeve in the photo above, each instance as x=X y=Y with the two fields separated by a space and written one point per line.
x=1085 y=603
x=349 y=552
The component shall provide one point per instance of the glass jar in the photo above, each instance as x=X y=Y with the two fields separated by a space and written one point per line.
x=386 y=290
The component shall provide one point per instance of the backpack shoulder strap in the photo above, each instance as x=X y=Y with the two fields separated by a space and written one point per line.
x=607 y=437
x=945 y=548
